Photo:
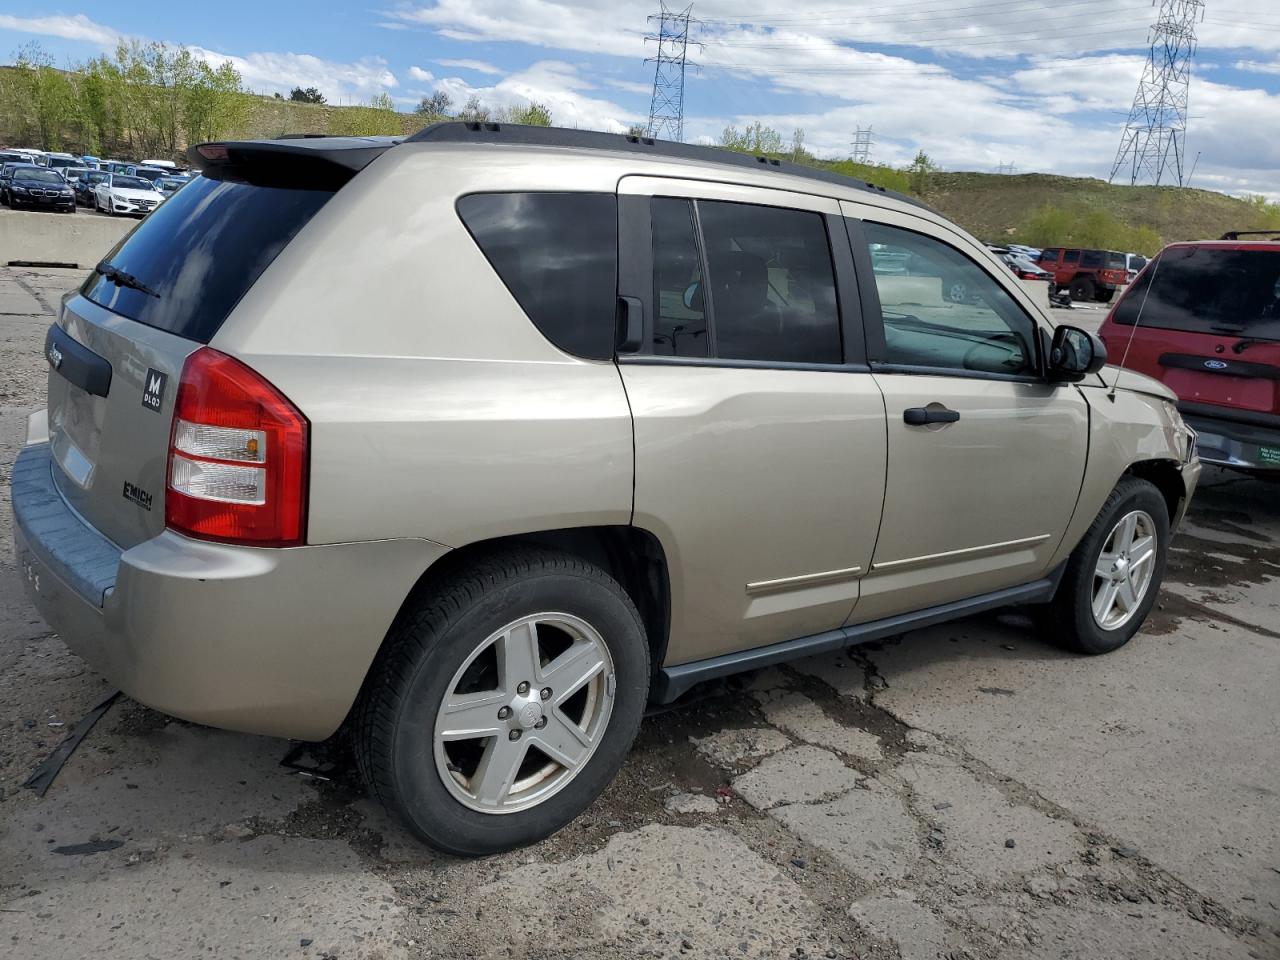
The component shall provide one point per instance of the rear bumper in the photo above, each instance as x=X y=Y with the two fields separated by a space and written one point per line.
x=1231 y=443
x=266 y=641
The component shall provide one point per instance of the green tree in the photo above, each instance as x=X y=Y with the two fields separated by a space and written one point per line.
x=308 y=95
x=214 y=102
x=757 y=138
x=534 y=115
x=473 y=111
x=921 y=171
x=41 y=96
x=436 y=105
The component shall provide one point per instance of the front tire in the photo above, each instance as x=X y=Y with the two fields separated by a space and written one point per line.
x=1114 y=574
x=504 y=701
x=1082 y=289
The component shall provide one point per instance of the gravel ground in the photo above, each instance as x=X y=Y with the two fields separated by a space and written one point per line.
x=961 y=792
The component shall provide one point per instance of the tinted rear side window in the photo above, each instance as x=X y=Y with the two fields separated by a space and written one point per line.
x=200 y=252
x=558 y=255
x=773 y=290
x=1208 y=290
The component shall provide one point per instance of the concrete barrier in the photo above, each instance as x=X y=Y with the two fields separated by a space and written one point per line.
x=79 y=238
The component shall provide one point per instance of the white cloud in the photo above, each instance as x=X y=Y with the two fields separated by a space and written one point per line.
x=78 y=27
x=355 y=82
x=422 y=76
x=631 y=86
x=479 y=66
x=263 y=72
x=558 y=85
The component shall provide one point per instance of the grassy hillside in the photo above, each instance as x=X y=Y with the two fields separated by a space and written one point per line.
x=998 y=208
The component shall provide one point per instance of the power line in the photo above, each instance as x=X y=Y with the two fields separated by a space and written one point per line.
x=913 y=40
x=666 y=106
x=895 y=10
x=1155 y=133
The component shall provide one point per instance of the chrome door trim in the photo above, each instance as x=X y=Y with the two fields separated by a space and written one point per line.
x=985 y=548
x=804 y=580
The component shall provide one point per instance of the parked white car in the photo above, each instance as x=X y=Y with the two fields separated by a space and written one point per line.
x=120 y=193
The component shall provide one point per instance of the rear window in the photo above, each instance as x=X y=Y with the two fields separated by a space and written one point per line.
x=558 y=255
x=200 y=251
x=1208 y=290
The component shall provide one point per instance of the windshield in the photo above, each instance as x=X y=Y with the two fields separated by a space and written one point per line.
x=1209 y=290
x=199 y=252
x=39 y=174
x=130 y=183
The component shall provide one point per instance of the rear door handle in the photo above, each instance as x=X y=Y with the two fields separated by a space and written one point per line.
x=919 y=416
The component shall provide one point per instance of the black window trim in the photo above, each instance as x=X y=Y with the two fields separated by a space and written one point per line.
x=873 y=325
x=635 y=280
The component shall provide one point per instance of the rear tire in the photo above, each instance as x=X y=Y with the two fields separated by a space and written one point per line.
x=1106 y=593
x=1081 y=288
x=469 y=637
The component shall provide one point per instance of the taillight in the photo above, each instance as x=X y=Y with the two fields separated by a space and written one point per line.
x=237 y=457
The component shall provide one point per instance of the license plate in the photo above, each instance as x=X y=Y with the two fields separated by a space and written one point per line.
x=1269 y=456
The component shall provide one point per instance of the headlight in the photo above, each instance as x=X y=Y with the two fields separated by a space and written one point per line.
x=17 y=188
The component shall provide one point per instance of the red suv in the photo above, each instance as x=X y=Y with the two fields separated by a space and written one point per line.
x=1088 y=274
x=1204 y=318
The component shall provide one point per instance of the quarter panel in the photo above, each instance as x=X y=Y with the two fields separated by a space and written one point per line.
x=458 y=451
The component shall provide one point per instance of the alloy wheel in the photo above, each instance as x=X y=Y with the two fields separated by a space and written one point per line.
x=524 y=713
x=1122 y=574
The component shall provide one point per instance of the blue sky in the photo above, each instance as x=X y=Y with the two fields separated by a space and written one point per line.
x=1040 y=84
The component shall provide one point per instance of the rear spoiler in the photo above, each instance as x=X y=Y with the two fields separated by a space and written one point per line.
x=1237 y=234
x=294 y=161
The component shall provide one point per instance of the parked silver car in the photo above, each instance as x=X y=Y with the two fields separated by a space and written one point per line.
x=479 y=442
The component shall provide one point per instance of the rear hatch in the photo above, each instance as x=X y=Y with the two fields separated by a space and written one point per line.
x=117 y=350
x=1210 y=324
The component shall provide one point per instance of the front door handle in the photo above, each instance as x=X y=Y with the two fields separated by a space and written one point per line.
x=919 y=416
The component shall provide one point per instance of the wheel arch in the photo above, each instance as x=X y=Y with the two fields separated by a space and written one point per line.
x=1166 y=477
x=631 y=555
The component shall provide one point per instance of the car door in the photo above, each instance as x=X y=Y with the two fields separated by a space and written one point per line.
x=759 y=431
x=985 y=456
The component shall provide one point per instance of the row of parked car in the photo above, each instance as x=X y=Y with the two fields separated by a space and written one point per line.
x=61 y=182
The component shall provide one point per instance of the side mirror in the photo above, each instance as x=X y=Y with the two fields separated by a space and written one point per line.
x=1074 y=354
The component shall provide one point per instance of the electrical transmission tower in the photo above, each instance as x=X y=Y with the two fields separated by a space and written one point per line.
x=1153 y=140
x=1006 y=168
x=666 y=108
x=862 y=140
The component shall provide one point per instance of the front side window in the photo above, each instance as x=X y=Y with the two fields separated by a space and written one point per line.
x=1071 y=256
x=942 y=310
x=558 y=255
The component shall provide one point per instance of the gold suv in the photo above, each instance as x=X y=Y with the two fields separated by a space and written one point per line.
x=474 y=444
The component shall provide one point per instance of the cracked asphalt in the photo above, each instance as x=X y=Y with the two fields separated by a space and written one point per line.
x=964 y=792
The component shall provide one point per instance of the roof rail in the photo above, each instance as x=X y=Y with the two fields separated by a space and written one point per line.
x=1237 y=234
x=514 y=133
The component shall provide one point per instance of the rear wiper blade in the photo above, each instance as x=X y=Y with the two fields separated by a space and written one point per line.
x=122 y=279
x=1227 y=327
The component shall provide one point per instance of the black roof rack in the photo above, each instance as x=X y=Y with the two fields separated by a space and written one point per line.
x=515 y=133
x=1237 y=234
